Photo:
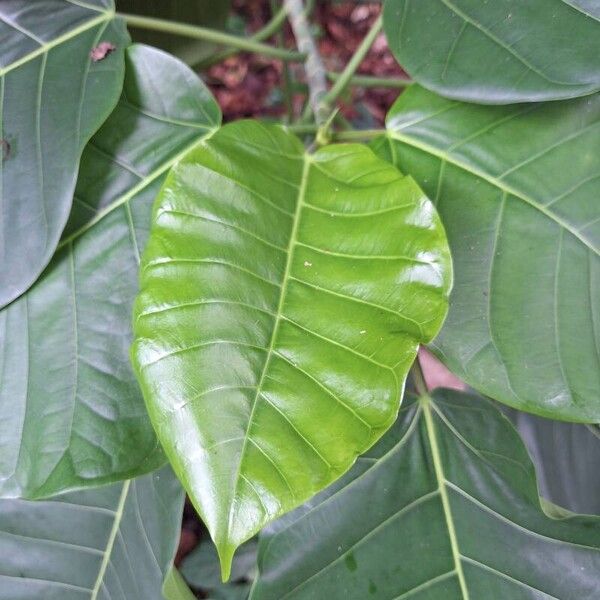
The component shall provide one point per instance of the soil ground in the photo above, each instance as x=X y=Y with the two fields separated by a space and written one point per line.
x=248 y=85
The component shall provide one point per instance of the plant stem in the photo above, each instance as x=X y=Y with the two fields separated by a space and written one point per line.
x=287 y=77
x=288 y=97
x=302 y=128
x=346 y=75
x=315 y=70
x=358 y=135
x=309 y=7
x=210 y=35
x=367 y=81
x=338 y=136
x=342 y=122
x=271 y=28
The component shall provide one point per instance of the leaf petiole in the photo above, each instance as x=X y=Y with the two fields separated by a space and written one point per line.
x=210 y=35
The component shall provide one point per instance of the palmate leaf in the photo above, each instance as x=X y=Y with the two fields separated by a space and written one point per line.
x=53 y=97
x=498 y=51
x=110 y=543
x=517 y=190
x=283 y=299
x=71 y=413
x=445 y=507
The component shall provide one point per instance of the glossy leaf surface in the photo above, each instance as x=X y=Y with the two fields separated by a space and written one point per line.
x=445 y=507
x=566 y=457
x=109 y=543
x=283 y=299
x=517 y=190
x=498 y=51
x=53 y=97
x=175 y=587
x=71 y=413
x=202 y=571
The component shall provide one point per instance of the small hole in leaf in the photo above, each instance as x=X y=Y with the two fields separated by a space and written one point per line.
x=101 y=51
x=5 y=149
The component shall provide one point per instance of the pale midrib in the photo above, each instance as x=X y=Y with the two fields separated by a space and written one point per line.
x=179 y=122
x=76 y=360
x=403 y=511
x=471 y=21
x=441 y=482
x=20 y=29
x=579 y=9
x=408 y=140
x=278 y=313
x=45 y=48
x=136 y=189
x=111 y=539
x=84 y=4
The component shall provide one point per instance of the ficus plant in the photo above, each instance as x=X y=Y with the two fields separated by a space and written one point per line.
x=235 y=311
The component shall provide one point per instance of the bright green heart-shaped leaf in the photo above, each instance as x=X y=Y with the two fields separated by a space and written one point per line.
x=445 y=507
x=284 y=296
x=53 y=97
x=109 y=543
x=498 y=51
x=517 y=190
x=71 y=412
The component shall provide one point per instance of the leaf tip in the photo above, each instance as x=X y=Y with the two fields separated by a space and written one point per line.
x=226 y=552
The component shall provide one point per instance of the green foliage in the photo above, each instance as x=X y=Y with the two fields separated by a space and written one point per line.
x=175 y=587
x=564 y=455
x=285 y=289
x=115 y=542
x=52 y=99
x=206 y=13
x=444 y=507
x=71 y=413
x=516 y=188
x=278 y=294
x=201 y=570
x=498 y=51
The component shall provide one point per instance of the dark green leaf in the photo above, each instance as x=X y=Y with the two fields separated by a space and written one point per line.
x=445 y=508
x=71 y=413
x=566 y=457
x=284 y=296
x=202 y=572
x=517 y=190
x=206 y=13
x=175 y=588
x=53 y=97
x=110 y=543
x=498 y=51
